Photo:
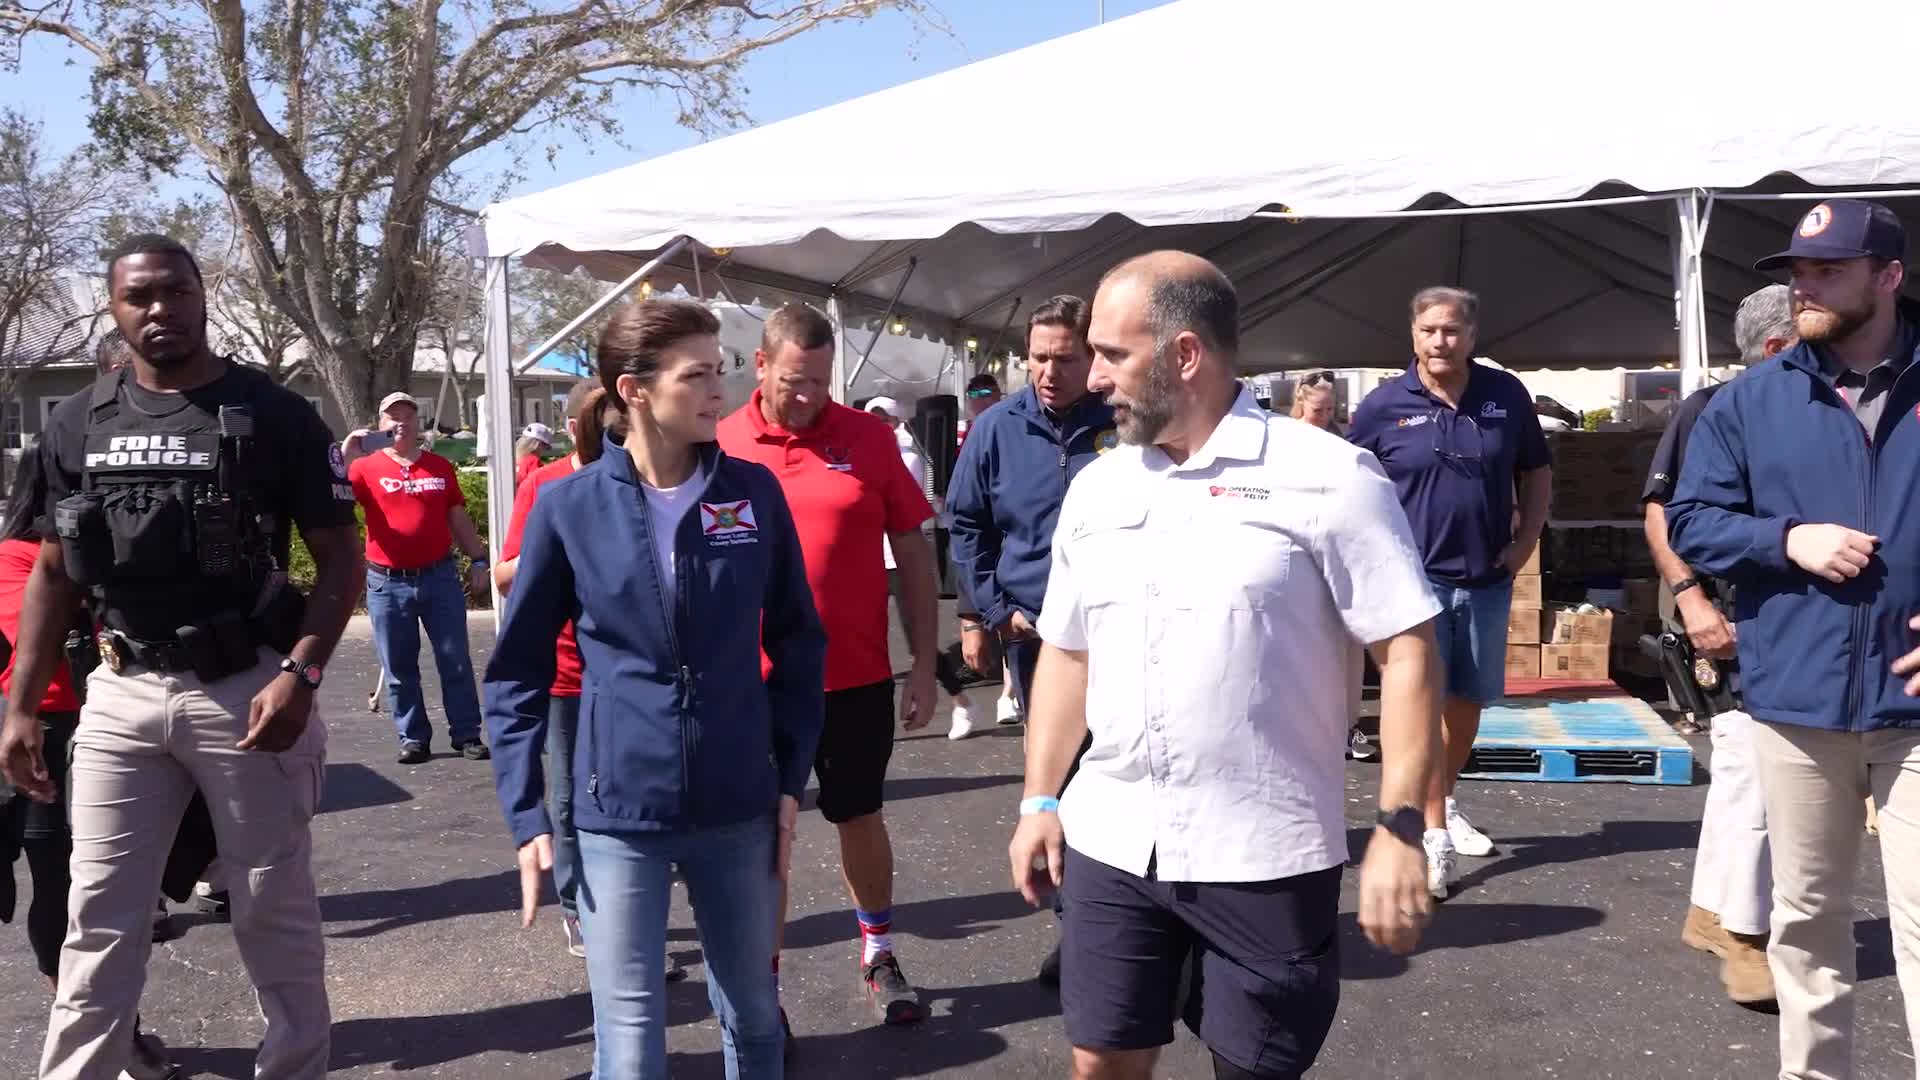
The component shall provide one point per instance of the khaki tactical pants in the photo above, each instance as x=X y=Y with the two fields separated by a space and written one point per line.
x=145 y=742
x=1814 y=783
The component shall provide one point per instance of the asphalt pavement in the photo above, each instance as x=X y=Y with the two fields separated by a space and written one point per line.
x=1559 y=956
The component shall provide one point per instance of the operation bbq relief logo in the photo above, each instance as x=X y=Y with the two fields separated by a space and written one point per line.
x=1240 y=491
x=729 y=523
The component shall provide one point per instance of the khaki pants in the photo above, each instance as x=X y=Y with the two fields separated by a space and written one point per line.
x=145 y=742
x=1814 y=783
x=1732 y=874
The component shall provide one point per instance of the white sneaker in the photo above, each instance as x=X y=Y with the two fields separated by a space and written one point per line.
x=1359 y=746
x=964 y=722
x=1442 y=863
x=1007 y=712
x=1467 y=840
x=576 y=945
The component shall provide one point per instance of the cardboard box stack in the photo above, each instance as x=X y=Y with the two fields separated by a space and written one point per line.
x=1598 y=475
x=1578 y=644
x=1616 y=555
x=1524 y=622
x=1640 y=614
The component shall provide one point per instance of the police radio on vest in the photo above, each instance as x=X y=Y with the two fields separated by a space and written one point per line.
x=161 y=450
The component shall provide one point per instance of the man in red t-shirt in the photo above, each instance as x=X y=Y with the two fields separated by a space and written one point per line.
x=841 y=472
x=415 y=514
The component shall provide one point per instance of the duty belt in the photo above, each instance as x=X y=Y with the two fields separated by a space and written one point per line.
x=120 y=652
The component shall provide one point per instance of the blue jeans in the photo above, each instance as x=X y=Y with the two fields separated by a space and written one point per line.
x=563 y=719
x=398 y=606
x=626 y=882
x=1471 y=632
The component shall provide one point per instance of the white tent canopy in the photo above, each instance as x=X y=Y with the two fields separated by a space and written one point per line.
x=1620 y=133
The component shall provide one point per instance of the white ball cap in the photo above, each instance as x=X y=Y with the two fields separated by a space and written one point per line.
x=398 y=397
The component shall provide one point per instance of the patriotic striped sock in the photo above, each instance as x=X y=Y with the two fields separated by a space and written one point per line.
x=875 y=933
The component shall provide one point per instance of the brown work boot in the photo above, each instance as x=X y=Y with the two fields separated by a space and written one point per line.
x=1744 y=970
x=1702 y=931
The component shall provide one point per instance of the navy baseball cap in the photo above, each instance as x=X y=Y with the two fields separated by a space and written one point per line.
x=1843 y=229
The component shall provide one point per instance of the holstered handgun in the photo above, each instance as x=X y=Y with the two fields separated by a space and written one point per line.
x=1700 y=685
x=83 y=655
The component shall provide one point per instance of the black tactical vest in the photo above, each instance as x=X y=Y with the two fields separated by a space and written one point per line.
x=163 y=532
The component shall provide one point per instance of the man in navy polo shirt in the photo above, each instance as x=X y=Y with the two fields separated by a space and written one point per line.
x=1459 y=439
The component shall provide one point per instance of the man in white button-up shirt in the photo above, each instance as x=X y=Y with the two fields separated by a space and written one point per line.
x=1208 y=580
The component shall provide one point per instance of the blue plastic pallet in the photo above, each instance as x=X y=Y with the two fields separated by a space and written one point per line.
x=1618 y=740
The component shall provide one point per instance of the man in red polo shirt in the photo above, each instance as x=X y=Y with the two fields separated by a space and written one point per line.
x=415 y=514
x=842 y=475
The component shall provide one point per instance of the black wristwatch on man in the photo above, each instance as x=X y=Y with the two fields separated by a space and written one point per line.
x=308 y=674
x=1406 y=823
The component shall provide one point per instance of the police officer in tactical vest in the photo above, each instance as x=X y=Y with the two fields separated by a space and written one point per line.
x=172 y=488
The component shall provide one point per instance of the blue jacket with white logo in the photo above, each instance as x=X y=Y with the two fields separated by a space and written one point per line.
x=1005 y=497
x=1778 y=448
x=677 y=729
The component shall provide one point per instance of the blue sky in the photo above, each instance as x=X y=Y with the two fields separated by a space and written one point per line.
x=815 y=70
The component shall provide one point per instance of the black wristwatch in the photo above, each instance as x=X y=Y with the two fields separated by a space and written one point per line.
x=1684 y=584
x=1406 y=823
x=308 y=674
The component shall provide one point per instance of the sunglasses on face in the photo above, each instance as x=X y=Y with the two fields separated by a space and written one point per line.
x=979 y=392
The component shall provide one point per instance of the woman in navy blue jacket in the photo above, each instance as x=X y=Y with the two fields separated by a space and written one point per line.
x=677 y=565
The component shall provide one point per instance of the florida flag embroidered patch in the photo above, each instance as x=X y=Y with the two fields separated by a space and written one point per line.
x=729 y=522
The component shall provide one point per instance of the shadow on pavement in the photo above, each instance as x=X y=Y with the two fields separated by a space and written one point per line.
x=1872 y=949
x=1466 y=926
x=958 y=1036
x=947 y=919
x=1516 y=853
x=924 y=787
x=391 y=909
x=351 y=786
x=1512 y=854
x=414 y=1042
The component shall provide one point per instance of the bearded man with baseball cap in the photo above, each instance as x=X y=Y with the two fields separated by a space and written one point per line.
x=1800 y=488
x=415 y=515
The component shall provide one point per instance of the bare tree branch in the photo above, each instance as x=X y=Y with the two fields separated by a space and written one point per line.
x=335 y=130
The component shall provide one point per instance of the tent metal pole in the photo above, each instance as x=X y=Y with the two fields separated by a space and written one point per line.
x=1798 y=196
x=1463 y=211
x=963 y=367
x=498 y=348
x=1691 y=314
x=1001 y=334
x=840 y=380
x=603 y=303
x=913 y=263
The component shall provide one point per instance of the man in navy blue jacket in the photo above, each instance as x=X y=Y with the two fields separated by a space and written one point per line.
x=1013 y=471
x=1799 y=487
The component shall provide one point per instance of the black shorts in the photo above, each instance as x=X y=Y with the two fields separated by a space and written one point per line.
x=1266 y=964
x=855 y=746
